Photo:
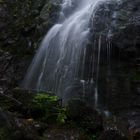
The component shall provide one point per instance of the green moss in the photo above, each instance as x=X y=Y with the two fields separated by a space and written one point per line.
x=42 y=97
x=50 y=108
x=61 y=118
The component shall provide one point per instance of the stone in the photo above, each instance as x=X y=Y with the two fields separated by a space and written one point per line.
x=84 y=115
x=112 y=135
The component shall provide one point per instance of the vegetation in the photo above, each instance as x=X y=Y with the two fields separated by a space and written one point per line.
x=46 y=111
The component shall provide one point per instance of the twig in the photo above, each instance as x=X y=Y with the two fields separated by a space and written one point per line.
x=11 y=98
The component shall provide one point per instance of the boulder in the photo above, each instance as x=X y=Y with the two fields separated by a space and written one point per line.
x=84 y=116
x=112 y=135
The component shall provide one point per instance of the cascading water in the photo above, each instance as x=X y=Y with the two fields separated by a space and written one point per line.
x=59 y=64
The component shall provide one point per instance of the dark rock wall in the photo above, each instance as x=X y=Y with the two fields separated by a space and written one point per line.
x=23 y=25
x=118 y=22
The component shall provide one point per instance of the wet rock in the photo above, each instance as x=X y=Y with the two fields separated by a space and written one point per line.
x=134 y=126
x=11 y=70
x=17 y=128
x=85 y=116
x=22 y=28
x=64 y=133
x=112 y=135
x=3 y=118
x=119 y=22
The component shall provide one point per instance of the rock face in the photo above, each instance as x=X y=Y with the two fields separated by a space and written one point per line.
x=22 y=26
x=118 y=22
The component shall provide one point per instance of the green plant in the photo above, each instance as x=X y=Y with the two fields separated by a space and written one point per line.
x=46 y=108
x=43 y=99
x=61 y=118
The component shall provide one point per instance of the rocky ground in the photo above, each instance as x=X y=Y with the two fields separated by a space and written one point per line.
x=41 y=117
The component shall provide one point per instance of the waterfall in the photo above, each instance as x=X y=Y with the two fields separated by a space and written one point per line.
x=97 y=73
x=59 y=63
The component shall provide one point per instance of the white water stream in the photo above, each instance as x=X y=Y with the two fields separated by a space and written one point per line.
x=59 y=62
